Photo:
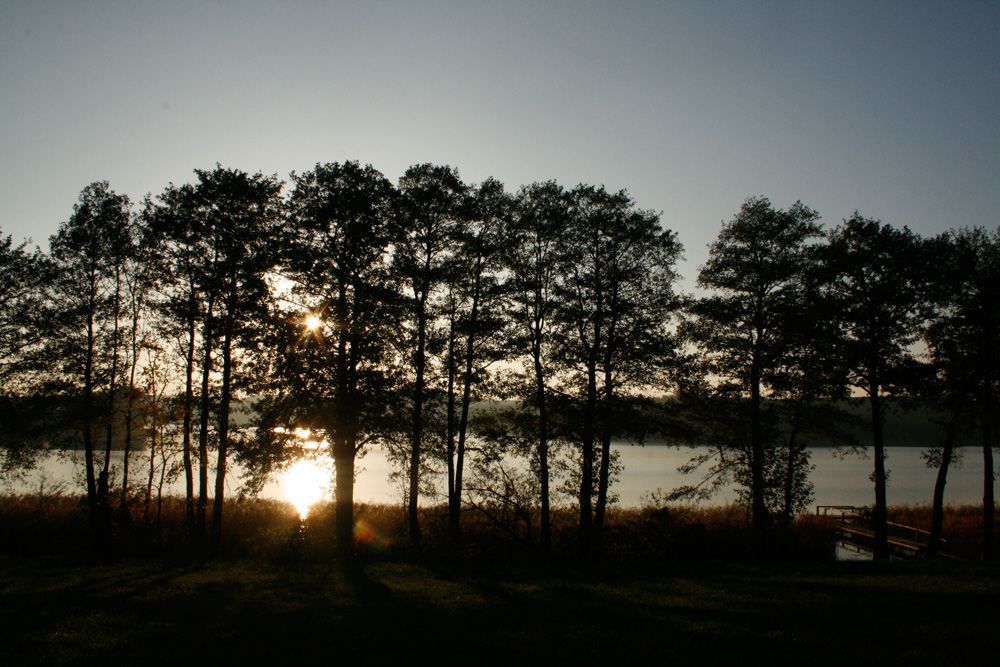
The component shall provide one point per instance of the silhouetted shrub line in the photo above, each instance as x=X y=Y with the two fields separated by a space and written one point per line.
x=270 y=530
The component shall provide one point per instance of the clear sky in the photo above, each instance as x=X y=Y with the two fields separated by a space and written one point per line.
x=890 y=108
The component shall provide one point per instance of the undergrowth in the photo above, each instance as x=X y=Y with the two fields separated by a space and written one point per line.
x=271 y=530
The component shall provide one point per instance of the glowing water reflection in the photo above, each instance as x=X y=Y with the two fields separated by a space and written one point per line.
x=305 y=483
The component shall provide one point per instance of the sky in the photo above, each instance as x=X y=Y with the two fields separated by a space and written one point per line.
x=888 y=108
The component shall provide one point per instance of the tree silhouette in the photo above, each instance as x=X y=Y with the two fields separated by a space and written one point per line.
x=431 y=198
x=755 y=268
x=879 y=281
x=533 y=257
x=478 y=297
x=172 y=219
x=963 y=345
x=615 y=300
x=238 y=215
x=340 y=376
x=808 y=383
x=89 y=251
x=24 y=276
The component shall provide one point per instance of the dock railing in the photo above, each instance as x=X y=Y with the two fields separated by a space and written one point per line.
x=901 y=537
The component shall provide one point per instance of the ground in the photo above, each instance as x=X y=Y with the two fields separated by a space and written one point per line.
x=60 y=611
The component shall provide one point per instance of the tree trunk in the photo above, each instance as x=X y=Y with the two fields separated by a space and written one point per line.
x=343 y=454
x=793 y=455
x=604 y=468
x=148 y=499
x=88 y=410
x=130 y=409
x=226 y=399
x=453 y=499
x=463 y=425
x=988 y=498
x=103 y=487
x=758 y=510
x=201 y=533
x=879 y=513
x=418 y=422
x=545 y=536
x=937 y=508
x=587 y=467
x=186 y=437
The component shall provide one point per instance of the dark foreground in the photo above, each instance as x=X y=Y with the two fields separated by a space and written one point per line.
x=57 y=611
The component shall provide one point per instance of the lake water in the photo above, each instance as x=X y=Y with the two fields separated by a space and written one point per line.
x=838 y=481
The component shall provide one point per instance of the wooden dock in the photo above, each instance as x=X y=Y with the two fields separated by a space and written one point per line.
x=854 y=533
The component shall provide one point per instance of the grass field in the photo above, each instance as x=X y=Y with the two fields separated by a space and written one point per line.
x=672 y=586
x=160 y=611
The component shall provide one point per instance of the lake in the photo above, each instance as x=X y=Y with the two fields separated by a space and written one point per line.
x=646 y=468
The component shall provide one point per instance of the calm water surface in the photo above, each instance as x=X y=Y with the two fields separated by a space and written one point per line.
x=838 y=481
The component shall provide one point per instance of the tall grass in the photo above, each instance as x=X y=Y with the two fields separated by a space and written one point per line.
x=271 y=529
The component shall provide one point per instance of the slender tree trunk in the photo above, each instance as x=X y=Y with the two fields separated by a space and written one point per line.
x=937 y=508
x=989 y=503
x=590 y=422
x=418 y=421
x=607 y=418
x=587 y=467
x=159 y=494
x=791 y=464
x=126 y=453
x=148 y=499
x=879 y=513
x=545 y=534
x=103 y=486
x=88 y=409
x=454 y=507
x=130 y=408
x=223 y=417
x=104 y=477
x=758 y=510
x=604 y=468
x=206 y=403
x=186 y=436
x=463 y=426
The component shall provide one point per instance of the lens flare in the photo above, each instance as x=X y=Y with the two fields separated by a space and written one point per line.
x=367 y=536
x=304 y=484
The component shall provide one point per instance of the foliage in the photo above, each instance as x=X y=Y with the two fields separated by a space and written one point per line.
x=878 y=277
x=370 y=312
x=745 y=329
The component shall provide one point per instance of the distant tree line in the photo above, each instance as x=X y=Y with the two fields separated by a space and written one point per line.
x=501 y=340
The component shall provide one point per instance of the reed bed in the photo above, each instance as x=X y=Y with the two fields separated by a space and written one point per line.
x=271 y=529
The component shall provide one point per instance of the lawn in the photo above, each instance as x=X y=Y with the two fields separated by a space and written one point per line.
x=60 y=611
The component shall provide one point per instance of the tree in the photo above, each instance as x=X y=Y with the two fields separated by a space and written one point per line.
x=963 y=344
x=89 y=251
x=532 y=258
x=337 y=373
x=23 y=278
x=140 y=271
x=878 y=277
x=615 y=302
x=807 y=385
x=477 y=296
x=431 y=198
x=216 y=238
x=756 y=269
x=172 y=218
x=238 y=213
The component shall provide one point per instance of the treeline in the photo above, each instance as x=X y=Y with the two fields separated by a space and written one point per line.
x=347 y=312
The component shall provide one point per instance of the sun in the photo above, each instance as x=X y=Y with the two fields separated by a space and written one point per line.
x=304 y=484
x=313 y=322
